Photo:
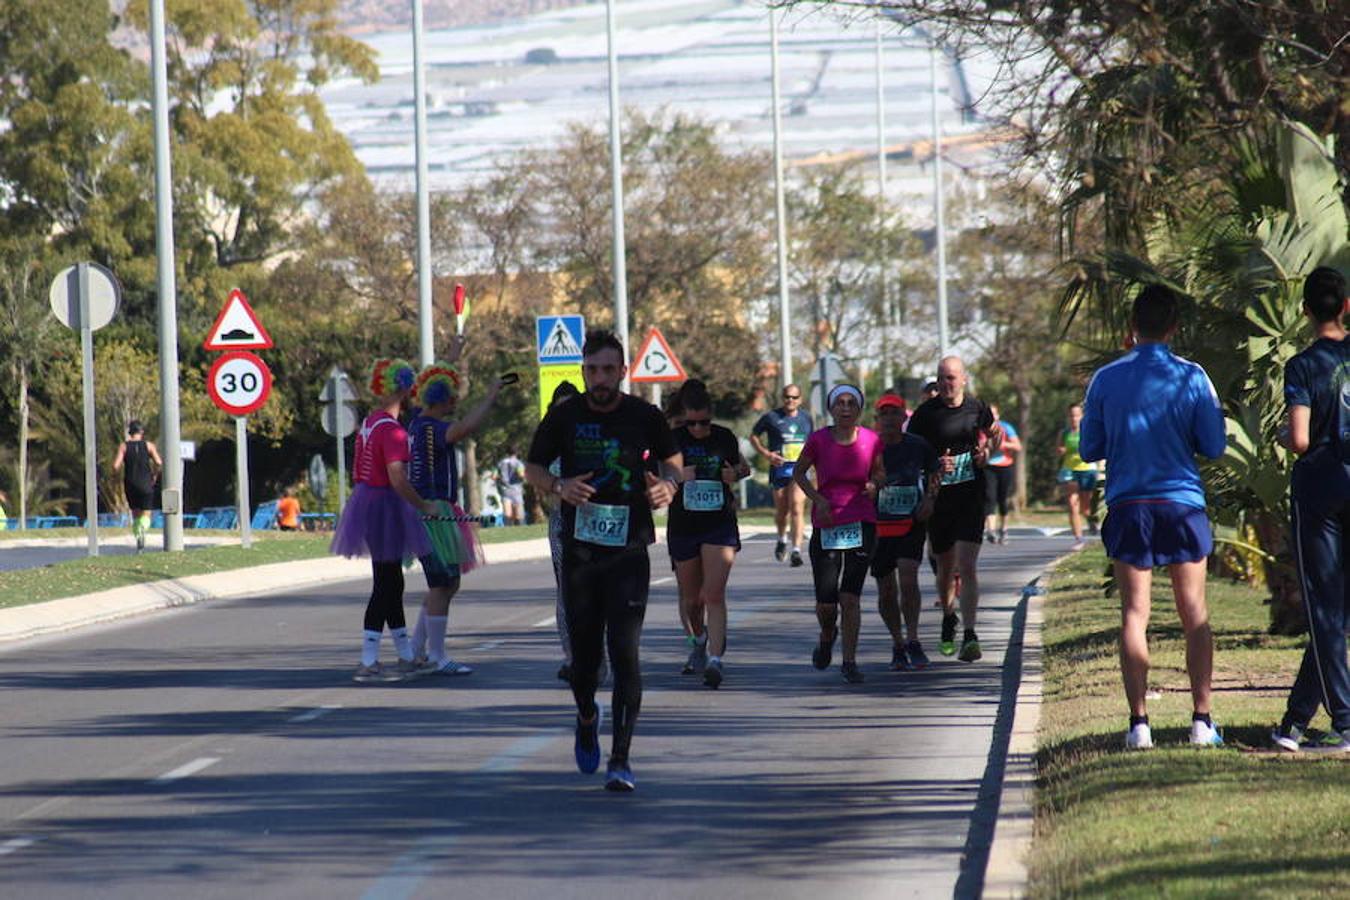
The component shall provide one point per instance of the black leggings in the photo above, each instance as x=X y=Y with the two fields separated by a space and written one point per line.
x=607 y=591
x=386 y=597
x=997 y=482
x=838 y=572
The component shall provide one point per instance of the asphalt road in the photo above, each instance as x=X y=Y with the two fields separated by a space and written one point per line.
x=223 y=751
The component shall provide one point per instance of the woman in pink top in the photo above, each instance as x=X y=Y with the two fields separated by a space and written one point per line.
x=381 y=519
x=846 y=458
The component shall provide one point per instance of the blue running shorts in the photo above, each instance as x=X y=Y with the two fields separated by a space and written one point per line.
x=1148 y=533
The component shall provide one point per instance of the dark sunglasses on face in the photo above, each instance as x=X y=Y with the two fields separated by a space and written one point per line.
x=701 y=422
x=792 y=396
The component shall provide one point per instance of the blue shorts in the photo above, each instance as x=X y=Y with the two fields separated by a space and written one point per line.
x=1085 y=479
x=438 y=574
x=1148 y=533
x=684 y=547
x=781 y=477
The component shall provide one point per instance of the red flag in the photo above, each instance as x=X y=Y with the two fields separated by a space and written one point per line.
x=459 y=299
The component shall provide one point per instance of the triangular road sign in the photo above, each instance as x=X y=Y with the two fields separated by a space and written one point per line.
x=237 y=327
x=656 y=361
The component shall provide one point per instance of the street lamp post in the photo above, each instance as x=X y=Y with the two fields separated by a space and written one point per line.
x=887 y=333
x=426 y=342
x=616 y=181
x=780 y=210
x=938 y=213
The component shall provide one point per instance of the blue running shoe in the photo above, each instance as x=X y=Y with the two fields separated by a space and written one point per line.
x=587 y=746
x=619 y=778
x=1204 y=734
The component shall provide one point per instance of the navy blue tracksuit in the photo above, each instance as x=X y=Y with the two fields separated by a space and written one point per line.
x=1319 y=378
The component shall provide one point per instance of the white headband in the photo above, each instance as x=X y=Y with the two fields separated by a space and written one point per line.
x=843 y=389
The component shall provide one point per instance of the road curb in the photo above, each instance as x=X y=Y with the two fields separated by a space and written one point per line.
x=35 y=620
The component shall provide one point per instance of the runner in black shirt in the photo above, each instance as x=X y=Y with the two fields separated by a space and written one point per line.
x=702 y=532
x=963 y=430
x=904 y=503
x=602 y=439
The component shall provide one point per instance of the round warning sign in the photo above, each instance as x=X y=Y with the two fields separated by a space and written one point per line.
x=239 y=383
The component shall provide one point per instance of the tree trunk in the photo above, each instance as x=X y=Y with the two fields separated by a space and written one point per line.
x=1286 y=598
x=472 y=495
x=23 y=446
x=1024 y=432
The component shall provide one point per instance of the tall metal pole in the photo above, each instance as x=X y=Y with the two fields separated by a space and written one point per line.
x=616 y=180
x=426 y=342
x=170 y=434
x=241 y=481
x=90 y=429
x=938 y=213
x=780 y=210
x=887 y=335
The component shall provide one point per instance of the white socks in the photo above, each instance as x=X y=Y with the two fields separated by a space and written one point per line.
x=436 y=627
x=401 y=643
x=419 y=636
x=370 y=648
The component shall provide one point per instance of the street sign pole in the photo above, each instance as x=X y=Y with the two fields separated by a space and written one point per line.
x=241 y=479
x=616 y=189
x=342 y=472
x=90 y=437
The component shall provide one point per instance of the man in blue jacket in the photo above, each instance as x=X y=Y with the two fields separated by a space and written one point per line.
x=1318 y=430
x=1150 y=412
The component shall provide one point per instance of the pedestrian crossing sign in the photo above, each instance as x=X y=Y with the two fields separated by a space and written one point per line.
x=559 y=338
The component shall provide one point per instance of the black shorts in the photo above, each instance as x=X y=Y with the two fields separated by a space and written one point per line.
x=140 y=496
x=684 y=547
x=958 y=515
x=890 y=550
x=838 y=572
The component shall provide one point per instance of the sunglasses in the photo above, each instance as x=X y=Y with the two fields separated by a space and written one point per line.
x=690 y=423
x=792 y=396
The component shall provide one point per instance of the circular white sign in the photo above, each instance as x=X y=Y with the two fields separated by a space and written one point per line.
x=239 y=383
x=104 y=292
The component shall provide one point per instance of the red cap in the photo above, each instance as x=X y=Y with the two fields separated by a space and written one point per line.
x=894 y=401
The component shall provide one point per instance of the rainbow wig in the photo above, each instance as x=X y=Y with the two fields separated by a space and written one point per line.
x=436 y=384
x=391 y=376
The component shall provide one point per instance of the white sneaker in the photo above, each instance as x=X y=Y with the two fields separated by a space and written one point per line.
x=1289 y=740
x=1203 y=735
x=1140 y=737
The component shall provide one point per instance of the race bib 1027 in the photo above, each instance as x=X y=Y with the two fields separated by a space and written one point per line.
x=603 y=525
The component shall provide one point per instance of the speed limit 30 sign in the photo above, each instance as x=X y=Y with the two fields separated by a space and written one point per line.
x=239 y=383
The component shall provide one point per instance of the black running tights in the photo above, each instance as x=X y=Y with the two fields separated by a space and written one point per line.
x=386 y=597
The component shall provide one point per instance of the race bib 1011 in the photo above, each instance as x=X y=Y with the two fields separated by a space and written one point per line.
x=842 y=537
x=702 y=496
x=603 y=525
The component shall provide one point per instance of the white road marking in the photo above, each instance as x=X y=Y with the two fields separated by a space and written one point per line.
x=666 y=580
x=544 y=623
x=490 y=645
x=187 y=769
x=14 y=845
x=317 y=712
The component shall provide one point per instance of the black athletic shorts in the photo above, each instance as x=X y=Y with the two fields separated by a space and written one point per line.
x=890 y=550
x=958 y=515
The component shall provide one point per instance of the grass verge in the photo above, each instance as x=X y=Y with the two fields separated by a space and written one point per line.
x=1239 y=821
x=87 y=575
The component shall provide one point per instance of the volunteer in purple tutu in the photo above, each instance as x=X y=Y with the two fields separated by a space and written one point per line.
x=382 y=519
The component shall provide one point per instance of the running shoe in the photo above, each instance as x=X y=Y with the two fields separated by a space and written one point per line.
x=619 y=778
x=410 y=668
x=375 y=672
x=796 y=558
x=1333 y=742
x=449 y=667
x=698 y=657
x=970 y=650
x=1003 y=536
x=780 y=550
x=990 y=537
x=1287 y=738
x=947 y=646
x=1204 y=734
x=852 y=674
x=899 y=659
x=821 y=656
x=140 y=542
x=586 y=748
x=1139 y=737
x=712 y=674
x=917 y=658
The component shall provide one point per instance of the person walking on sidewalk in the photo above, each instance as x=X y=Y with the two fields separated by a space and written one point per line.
x=779 y=436
x=1150 y=412
x=702 y=533
x=138 y=460
x=846 y=459
x=1318 y=430
x=382 y=519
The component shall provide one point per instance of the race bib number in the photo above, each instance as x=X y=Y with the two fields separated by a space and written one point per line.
x=792 y=450
x=897 y=500
x=963 y=472
x=605 y=526
x=702 y=496
x=842 y=537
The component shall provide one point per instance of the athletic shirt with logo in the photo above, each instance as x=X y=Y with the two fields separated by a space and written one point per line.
x=956 y=429
x=908 y=463
x=1319 y=378
x=1072 y=461
x=787 y=435
x=380 y=441
x=612 y=447
x=705 y=456
x=432 y=469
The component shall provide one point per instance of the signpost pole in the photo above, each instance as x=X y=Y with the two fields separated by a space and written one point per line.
x=241 y=467
x=341 y=446
x=90 y=436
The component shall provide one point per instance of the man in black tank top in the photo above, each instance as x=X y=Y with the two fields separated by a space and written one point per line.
x=138 y=460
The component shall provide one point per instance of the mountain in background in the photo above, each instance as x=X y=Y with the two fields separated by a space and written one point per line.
x=378 y=15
